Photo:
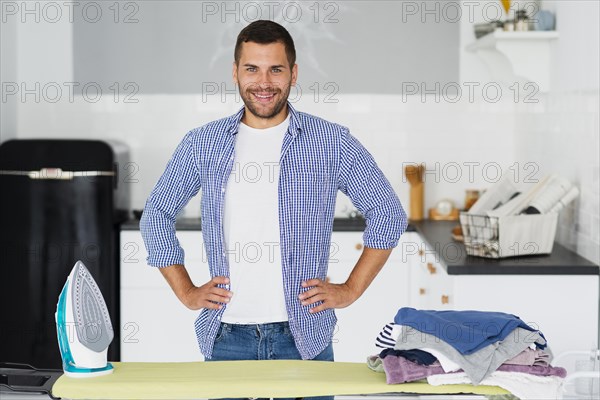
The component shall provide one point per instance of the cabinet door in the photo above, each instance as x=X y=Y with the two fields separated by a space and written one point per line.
x=155 y=325
x=359 y=324
x=430 y=286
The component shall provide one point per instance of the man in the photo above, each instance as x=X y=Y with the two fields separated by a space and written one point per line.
x=269 y=177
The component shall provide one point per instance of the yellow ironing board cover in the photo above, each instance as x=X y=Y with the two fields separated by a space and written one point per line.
x=218 y=379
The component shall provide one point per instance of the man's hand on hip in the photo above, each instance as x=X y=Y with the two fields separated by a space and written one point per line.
x=194 y=297
x=342 y=295
x=208 y=295
x=332 y=295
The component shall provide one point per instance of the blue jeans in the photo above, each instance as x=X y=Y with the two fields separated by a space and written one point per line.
x=272 y=341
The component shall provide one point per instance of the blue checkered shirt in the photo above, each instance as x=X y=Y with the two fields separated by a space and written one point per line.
x=318 y=158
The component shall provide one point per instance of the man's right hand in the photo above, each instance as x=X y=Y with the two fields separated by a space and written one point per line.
x=208 y=295
x=194 y=297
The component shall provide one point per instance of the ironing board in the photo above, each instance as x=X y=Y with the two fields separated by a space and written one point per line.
x=268 y=378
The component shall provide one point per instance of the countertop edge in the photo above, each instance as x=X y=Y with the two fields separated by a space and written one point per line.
x=469 y=265
x=193 y=224
x=522 y=265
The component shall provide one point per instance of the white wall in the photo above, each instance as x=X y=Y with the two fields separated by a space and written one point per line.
x=469 y=137
x=561 y=133
x=447 y=137
x=8 y=76
x=36 y=54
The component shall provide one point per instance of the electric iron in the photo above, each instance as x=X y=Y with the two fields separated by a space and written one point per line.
x=83 y=326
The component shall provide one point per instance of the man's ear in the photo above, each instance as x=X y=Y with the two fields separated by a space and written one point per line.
x=234 y=73
x=294 y=74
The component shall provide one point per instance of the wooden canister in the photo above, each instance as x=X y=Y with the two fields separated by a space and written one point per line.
x=414 y=174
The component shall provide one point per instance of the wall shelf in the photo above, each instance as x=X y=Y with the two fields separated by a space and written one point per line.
x=521 y=57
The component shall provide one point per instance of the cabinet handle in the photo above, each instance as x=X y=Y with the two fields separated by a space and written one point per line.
x=431 y=268
x=421 y=291
x=445 y=299
x=358 y=246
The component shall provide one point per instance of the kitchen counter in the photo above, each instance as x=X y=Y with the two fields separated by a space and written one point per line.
x=565 y=284
x=182 y=224
x=193 y=224
x=453 y=255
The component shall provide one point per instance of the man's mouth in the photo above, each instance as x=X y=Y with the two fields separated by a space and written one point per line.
x=263 y=97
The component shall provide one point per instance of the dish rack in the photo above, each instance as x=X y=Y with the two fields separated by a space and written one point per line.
x=508 y=236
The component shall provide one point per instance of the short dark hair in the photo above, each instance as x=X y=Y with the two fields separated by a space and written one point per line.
x=266 y=32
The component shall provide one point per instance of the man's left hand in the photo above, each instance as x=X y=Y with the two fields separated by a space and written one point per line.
x=332 y=295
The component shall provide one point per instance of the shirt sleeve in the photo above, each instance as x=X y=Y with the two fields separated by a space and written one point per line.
x=178 y=184
x=371 y=193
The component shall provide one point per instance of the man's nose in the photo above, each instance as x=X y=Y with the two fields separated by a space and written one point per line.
x=265 y=79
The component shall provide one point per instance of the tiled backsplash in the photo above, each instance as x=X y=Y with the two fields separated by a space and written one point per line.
x=459 y=142
x=464 y=144
x=561 y=135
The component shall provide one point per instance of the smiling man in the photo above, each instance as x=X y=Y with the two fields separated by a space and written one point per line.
x=264 y=87
x=269 y=176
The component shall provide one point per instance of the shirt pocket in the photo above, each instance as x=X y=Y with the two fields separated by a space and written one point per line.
x=308 y=191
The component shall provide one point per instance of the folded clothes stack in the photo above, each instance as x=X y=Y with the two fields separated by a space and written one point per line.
x=473 y=347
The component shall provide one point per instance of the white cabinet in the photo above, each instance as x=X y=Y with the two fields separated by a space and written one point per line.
x=359 y=324
x=155 y=325
x=430 y=287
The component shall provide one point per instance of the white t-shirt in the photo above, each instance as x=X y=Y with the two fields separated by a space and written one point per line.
x=251 y=228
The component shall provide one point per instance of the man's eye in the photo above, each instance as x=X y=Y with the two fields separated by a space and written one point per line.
x=250 y=69
x=276 y=70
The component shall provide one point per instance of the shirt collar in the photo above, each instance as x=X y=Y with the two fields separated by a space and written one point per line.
x=294 y=128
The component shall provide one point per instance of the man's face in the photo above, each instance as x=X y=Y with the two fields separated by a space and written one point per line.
x=264 y=78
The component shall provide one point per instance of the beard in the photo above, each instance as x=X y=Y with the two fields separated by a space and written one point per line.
x=269 y=109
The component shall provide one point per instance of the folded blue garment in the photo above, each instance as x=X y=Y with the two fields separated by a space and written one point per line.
x=466 y=331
